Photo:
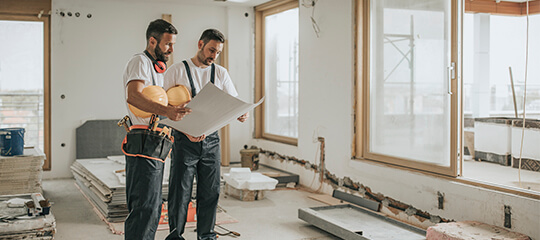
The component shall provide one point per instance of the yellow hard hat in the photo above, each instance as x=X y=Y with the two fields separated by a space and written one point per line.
x=178 y=95
x=157 y=94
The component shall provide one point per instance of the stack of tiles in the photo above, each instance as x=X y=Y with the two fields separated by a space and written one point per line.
x=102 y=181
x=21 y=174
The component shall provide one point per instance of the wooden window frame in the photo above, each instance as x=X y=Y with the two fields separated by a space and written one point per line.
x=360 y=64
x=362 y=97
x=39 y=11
x=224 y=132
x=261 y=11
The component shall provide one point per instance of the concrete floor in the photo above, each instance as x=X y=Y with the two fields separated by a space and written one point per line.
x=274 y=217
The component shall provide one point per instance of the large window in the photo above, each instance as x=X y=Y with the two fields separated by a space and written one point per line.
x=409 y=98
x=494 y=64
x=277 y=70
x=25 y=72
x=417 y=109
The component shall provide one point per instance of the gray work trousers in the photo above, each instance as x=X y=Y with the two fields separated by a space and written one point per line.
x=188 y=160
x=144 y=178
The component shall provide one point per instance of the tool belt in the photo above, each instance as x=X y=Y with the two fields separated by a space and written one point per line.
x=141 y=141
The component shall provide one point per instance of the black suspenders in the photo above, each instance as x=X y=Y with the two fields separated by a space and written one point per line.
x=152 y=60
x=193 y=91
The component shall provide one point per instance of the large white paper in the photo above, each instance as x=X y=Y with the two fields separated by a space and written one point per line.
x=211 y=109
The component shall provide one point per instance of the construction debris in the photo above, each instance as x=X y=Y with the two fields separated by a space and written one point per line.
x=22 y=218
x=103 y=182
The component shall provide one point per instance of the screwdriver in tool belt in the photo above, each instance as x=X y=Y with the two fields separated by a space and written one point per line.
x=151 y=121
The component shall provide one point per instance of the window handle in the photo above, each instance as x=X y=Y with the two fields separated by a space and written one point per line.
x=451 y=75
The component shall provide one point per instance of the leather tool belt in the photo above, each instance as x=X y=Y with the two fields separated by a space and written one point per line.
x=141 y=141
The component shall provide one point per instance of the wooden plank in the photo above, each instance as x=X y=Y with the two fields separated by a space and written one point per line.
x=327 y=199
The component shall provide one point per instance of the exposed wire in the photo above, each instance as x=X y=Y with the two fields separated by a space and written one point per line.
x=315 y=175
x=309 y=4
x=524 y=95
x=314 y=23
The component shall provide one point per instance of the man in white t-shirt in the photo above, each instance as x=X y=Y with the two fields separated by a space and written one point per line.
x=197 y=156
x=144 y=175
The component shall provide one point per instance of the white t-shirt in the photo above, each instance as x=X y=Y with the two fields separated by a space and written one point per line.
x=140 y=67
x=177 y=75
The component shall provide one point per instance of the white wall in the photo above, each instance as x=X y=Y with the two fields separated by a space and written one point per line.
x=240 y=42
x=326 y=110
x=89 y=56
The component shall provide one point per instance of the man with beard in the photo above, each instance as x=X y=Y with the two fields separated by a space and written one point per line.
x=197 y=156
x=144 y=175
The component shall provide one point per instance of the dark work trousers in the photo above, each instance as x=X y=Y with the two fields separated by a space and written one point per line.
x=144 y=178
x=189 y=160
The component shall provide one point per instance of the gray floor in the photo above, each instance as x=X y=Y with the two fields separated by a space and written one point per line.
x=275 y=217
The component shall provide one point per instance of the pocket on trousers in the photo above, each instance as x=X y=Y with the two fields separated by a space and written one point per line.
x=148 y=144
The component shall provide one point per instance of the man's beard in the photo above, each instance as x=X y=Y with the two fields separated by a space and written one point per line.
x=160 y=56
x=205 y=61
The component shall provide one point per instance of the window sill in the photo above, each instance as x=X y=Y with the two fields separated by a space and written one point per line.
x=506 y=177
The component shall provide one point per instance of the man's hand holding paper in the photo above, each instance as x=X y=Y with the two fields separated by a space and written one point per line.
x=211 y=109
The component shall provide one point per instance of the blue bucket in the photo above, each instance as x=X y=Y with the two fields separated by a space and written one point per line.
x=11 y=141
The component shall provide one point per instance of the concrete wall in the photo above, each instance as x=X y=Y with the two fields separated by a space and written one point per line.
x=89 y=56
x=326 y=110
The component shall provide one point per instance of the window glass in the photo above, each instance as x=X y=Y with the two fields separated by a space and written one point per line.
x=281 y=73
x=21 y=78
x=409 y=88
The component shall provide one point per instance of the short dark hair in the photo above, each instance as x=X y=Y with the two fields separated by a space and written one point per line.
x=158 y=27
x=212 y=34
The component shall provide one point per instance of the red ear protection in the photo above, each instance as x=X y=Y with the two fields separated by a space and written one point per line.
x=159 y=66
